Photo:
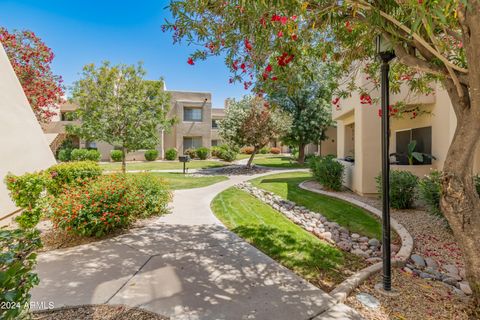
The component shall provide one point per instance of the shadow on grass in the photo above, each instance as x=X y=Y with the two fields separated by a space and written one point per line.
x=317 y=262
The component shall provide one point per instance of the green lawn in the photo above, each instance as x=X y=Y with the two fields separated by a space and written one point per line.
x=179 y=181
x=164 y=165
x=282 y=240
x=345 y=214
x=278 y=162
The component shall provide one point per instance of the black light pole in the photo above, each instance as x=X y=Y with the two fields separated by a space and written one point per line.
x=385 y=55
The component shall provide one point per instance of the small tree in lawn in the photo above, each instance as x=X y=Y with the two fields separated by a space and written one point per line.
x=117 y=106
x=31 y=60
x=306 y=97
x=251 y=122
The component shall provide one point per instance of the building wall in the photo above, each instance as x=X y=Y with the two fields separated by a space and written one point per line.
x=367 y=136
x=23 y=144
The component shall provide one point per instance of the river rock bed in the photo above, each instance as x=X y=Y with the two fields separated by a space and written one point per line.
x=317 y=224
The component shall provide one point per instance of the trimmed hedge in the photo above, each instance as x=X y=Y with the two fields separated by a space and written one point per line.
x=116 y=155
x=192 y=153
x=275 y=150
x=85 y=155
x=247 y=150
x=151 y=155
x=71 y=174
x=171 y=154
x=202 y=153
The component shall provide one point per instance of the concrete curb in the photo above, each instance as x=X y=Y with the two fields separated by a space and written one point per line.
x=341 y=292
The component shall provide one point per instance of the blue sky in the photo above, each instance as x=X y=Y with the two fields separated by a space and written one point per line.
x=81 y=32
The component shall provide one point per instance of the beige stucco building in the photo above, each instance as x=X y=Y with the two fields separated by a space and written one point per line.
x=358 y=135
x=24 y=147
x=196 y=126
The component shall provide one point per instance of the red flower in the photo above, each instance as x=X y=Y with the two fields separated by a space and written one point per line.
x=336 y=100
x=348 y=26
x=280 y=34
x=293 y=18
x=294 y=37
x=274 y=78
x=268 y=68
x=379 y=112
x=365 y=99
x=283 y=20
x=235 y=65
x=190 y=61
x=248 y=45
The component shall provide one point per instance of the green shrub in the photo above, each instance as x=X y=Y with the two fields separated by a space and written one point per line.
x=108 y=203
x=429 y=188
x=93 y=155
x=116 y=155
x=17 y=261
x=226 y=153
x=275 y=150
x=155 y=193
x=151 y=155
x=64 y=155
x=171 y=154
x=202 y=153
x=192 y=153
x=476 y=180
x=26 y=191
x=71 y=174
x=328 y=172
x=264 y=150
x=402 y=188
x=79 y=155
x=215 y=151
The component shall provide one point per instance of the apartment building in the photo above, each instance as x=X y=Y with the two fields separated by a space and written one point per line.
x=359 y=138
x=196 y=126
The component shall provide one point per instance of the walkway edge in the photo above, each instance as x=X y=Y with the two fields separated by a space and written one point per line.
x=342 y=291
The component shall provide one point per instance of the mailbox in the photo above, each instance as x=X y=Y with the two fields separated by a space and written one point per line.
x=184 y=158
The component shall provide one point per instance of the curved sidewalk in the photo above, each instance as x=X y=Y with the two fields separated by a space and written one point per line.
x=186 y=265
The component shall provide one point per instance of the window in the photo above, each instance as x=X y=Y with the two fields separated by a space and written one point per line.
x=214 y=123
x=90 y=145
x=192 y=142
x=214 y=143
x=423 y=137
x=192 y=114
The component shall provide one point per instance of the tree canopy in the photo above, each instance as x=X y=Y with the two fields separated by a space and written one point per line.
x=118 y=106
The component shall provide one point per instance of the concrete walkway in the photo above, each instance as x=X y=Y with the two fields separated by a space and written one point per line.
x=186 y=265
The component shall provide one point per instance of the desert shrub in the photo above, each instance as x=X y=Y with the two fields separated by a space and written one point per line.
x=64 y=155
x=429 y=188
x=108 y=203
x=247 y=150
x=155 y=193
x=171 y=154
x=328 y=172
x=202 y=153
x=79 y=155
x=275 y=150
x=192 y=153
x=402 y=188
x=116 y=155
x=151 y=155
x=26 y=191
x=17 y=261
x=264 y=150
x=226 y=153
x=93 y=155
x=71 y=174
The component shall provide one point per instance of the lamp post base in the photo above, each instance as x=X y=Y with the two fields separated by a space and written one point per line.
x=391 y=293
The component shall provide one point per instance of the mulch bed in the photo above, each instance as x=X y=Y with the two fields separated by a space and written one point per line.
x=419 y=298
x=97 y=312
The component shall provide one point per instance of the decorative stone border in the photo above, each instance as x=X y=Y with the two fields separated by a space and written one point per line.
x=341 y=292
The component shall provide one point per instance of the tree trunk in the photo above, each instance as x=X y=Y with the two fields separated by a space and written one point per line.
x=124 y=163
x=250 y=160
x=301 y=152
x=460 y=202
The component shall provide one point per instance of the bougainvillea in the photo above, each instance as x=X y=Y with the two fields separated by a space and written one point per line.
x=31 y=60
